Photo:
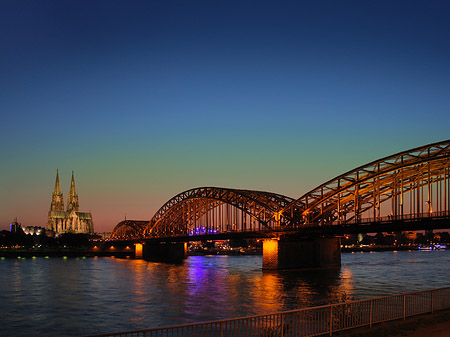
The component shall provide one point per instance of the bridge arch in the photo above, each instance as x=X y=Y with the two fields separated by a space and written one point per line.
x=410 y=184
x=416 y=181
x=211 y=210
x=128 y=230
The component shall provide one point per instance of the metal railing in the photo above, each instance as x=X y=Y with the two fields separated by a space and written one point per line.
x=323 y=320
x=390 y=218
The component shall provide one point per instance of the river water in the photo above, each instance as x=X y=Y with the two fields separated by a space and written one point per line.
x=81 y=296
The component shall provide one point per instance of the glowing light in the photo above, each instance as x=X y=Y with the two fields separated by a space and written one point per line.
x=270 y=254
x=201 y=231
x=277 y=215
x=270 y=246
x=138 y=250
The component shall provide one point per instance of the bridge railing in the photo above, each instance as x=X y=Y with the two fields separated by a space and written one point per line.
x=399 y=217
x=322 y=320
x=363 y=220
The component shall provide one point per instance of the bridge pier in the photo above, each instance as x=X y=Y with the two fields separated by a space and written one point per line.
x=301 y=254
x=165 y=252
x=138 y=250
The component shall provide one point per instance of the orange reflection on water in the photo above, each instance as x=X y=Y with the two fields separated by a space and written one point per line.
x=219 y=287
x=266 y=292
x=138 y=275
x=346 y=286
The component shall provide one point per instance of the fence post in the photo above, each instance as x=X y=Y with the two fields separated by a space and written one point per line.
x=370 y=313
x=404 y=306
x=432 y=302
x=331 y=320
x=282 y=326
x=221 y=330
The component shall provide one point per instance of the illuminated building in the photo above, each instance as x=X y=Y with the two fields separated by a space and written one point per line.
x=34 y=230
x=70 y=220
x=15 y=227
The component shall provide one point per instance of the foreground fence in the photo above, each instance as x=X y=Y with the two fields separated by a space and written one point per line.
x=323 y=320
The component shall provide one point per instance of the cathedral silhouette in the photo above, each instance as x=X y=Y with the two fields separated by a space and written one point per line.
x=70 y=220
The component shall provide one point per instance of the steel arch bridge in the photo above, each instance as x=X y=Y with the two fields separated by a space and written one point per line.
x=409 y=184
x=212 y=210
x=129 y=229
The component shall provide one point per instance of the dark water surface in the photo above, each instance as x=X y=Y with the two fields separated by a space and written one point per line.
x=80 y=296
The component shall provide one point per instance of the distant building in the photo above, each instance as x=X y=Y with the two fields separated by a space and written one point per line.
x=34 y=230
x=15 y=227
x=70 y=220
x=104 y=235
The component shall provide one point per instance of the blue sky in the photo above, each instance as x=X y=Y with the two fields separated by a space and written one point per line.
x=146 y=99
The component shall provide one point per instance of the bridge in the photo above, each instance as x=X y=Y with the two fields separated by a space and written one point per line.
x=405 y=191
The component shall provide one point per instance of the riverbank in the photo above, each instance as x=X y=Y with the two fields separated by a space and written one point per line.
x=436 y=325
x=380 y=248
x=128 y=252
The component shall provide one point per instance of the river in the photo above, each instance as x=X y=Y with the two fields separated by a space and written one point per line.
x=81 y=296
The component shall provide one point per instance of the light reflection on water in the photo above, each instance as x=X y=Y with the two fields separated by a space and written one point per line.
x=73 y=297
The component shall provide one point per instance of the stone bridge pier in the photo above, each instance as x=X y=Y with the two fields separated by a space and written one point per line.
x=281 y=254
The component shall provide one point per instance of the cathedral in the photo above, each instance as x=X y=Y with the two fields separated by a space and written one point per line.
x=70 y=220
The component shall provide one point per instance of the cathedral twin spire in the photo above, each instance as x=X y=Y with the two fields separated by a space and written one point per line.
x=70 y=220
x=58 y=200
x=57 y=197
x=72 y=198
x=57 y=185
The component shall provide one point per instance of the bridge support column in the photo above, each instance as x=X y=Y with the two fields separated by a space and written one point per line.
x=301 y=254
x=138 y=249
x=165 y=252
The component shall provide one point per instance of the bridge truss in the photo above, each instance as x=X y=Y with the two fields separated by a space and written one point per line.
x=212 y=210
x=129 y=230
x=413 y=183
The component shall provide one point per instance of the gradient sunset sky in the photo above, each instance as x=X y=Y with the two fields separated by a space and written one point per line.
x=146 y=99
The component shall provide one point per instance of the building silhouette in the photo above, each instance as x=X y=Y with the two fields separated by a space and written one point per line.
x=70 y=220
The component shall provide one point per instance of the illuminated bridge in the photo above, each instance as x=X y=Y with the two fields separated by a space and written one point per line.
x=405 y=191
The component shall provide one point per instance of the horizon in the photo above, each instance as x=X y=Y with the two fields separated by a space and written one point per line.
x=146 y=100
